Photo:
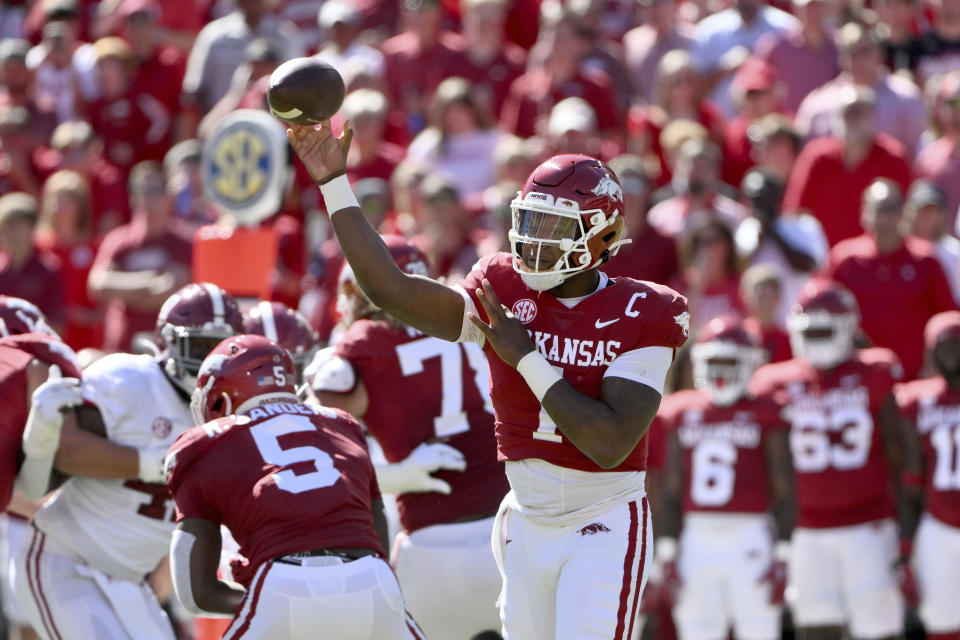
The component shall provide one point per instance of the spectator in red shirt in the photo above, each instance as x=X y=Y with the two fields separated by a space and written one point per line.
x=939 y=161
x=650 y=255
x=370 y=155
x=448 y=233
x=74 y=146
x=696 y=193
x=159 y=65
x=560 y=76
x=25 y=271
x=418 y=60
x=178 y=21
x=140 y=263
x=761 y=293
x=17 y=170
x=133 y=124
x=757 y=93
x=805 y=58
x=491 y=63
x=17 y=87
x=832 y=172
x=891 y=273
x=775 y=145
x=678 y=95
x=65 y=229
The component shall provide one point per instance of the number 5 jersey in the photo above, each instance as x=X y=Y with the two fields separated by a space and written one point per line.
x=843 y=477
x=121 y=527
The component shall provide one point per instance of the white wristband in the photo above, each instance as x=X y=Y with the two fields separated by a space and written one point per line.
x=665 y=549
x=338 y=195
x=539 y=374
x=781 y=551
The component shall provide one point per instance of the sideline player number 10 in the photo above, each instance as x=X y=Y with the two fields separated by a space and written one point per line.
x=577 y=363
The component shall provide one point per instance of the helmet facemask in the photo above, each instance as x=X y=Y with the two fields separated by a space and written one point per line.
x=723 y=369
x=552 y=237
x=822 y=338
x=187 y=348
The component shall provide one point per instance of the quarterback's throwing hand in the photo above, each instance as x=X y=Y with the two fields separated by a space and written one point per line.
x=505 y=333
x=323 y=154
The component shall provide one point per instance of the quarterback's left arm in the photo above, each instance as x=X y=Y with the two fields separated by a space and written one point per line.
x=607 y=429
x=194 y=558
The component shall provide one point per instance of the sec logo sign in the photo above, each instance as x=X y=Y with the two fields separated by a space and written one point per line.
x=524 y=310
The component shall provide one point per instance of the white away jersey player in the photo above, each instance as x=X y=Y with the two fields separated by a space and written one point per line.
x=121 y=527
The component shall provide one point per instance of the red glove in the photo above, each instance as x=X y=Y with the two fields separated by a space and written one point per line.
x=903 y=574
x=670 y=591
x=776 y=573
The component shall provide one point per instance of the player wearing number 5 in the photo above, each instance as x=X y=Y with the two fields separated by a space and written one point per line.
x=577 y=366
x=81 y=575
x=932 y=408
x=424 y=399
x=727 y=467
x=295 y=486
x=849 y=450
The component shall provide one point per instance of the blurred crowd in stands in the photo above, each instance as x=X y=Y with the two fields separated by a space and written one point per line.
x=757 y=144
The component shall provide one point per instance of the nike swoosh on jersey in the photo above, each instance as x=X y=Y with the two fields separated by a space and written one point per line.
x=601 y=325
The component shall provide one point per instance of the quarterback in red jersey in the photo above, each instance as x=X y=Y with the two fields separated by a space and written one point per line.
x=932 y=408
x=848 y=451
x=728 y=465
x=577 y=365
x=425 y=399
x=294 y=485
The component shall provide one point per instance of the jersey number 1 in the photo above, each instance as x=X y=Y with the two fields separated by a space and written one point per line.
x=267 y=434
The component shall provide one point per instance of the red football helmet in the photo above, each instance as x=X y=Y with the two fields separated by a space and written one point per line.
x=190 y=324
x=351 y=301
x=285 y=326
x=238 y=372
x=822 y=324
x=572 y=207
x=20 y=316
x=724 y=359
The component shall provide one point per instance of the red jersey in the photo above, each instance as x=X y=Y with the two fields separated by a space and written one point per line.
x=934 y=410
x=651 y=256
x=424 y=389
x=135 y=126
x=625 y=315
x=822 y=184
x=911 y=275
x=37 y=280
x=16 y=353
x=842 y=475
x=724 y=463
x=282 y=477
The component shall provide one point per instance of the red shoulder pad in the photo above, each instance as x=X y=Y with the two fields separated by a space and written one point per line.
x=190 y=446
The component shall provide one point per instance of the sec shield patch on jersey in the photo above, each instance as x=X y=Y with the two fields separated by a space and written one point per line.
x=244 y=166
x=524 y=310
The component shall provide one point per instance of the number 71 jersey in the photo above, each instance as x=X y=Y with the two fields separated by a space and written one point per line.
x=843 y=477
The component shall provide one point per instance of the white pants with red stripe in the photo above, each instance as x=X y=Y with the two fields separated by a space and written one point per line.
x=324 y=598
x=722 y=559
x=65 y=599
x=574 y=582
x=449 y=578
x=936 y=561
x=14 y=532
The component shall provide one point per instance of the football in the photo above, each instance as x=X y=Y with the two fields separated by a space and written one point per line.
x=305 y=91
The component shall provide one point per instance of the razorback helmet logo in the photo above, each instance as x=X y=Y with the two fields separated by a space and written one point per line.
x=607 y=187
